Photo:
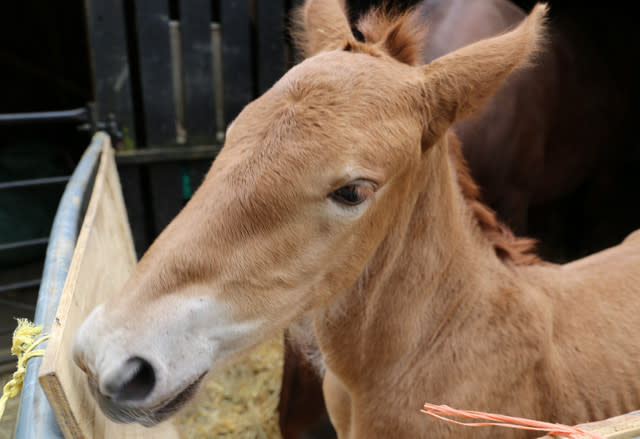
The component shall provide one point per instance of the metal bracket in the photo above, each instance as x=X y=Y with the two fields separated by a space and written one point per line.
x=110 y=126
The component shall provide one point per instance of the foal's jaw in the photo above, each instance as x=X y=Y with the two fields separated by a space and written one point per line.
x=146 y=368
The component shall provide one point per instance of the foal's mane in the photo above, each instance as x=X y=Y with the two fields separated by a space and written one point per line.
x=507 y=246
x=401 y=34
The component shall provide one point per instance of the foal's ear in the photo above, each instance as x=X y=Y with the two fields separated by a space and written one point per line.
x=458 y=83
x=321 y=25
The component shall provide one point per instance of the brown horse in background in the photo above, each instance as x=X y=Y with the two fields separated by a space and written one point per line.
x=529 y=144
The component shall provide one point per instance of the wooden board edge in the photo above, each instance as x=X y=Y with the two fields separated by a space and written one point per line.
x=49 y=360
x=618 y=427
x=67 y=422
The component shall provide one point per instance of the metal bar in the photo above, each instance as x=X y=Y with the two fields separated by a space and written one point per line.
x=19 y=286
x=75 y=115
x=36 y=418
x=16 y=304
x=157 y=155
x=34 y=182
x=21 y=244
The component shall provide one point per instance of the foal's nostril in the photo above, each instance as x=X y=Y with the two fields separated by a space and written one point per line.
x=133 y=382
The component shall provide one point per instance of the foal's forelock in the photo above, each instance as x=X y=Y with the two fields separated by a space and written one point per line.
x=399 y=34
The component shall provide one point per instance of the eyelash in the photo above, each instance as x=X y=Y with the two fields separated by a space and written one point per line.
x=351 y=194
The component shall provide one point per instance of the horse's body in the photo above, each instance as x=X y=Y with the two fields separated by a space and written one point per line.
x=341 y=195
x=528 y=145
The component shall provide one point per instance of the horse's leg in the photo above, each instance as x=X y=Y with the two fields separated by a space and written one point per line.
x=338 y=404
x=302 y=410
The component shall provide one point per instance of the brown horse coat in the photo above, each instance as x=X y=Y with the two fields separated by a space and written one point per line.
x=341 y=195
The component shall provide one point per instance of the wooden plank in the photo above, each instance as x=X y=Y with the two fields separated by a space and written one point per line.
x=165 y=187
x=113 y=93
x=619 y=427
x=152 y=25
x=197 y=68
x=270 y=39
x=131 y=180
x=176 y=79
x=156 y=155
x=236 y=56
x=218 y=82
x=110 y=64
x=103 y=259
x=166 y=193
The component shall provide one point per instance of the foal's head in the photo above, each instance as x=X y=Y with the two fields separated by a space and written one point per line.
x=310 y=180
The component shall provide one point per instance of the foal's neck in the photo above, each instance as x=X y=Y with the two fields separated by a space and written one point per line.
x=424 y=277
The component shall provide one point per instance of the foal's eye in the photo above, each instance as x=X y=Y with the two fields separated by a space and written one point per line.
x=351 y=194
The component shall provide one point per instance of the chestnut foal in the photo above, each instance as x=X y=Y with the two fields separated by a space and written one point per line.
x=340 y=196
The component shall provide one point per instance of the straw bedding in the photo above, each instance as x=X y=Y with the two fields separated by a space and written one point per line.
x=240 y=402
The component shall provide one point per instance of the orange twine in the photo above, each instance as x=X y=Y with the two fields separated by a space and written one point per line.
x=442 y=411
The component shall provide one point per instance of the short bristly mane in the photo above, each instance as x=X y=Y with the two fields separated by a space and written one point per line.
x=401 y=34
x=507 y=246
